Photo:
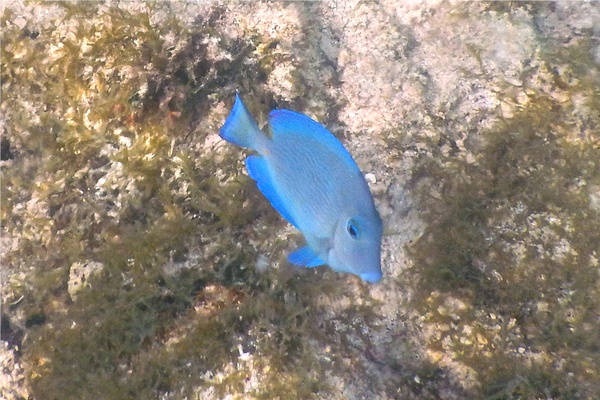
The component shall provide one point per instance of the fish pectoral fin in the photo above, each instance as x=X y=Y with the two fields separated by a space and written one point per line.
x=258 y=170
x=305 y=257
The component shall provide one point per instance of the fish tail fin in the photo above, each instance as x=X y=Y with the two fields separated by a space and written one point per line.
x=240 y=128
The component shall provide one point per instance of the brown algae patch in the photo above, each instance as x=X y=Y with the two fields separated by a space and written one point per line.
x=134 y=234
x=508 y=265
x=100 y=116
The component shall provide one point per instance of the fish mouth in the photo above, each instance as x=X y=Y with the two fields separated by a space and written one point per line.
x=370 y=277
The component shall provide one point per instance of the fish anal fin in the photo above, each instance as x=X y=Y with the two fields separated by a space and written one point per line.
x=305 y=257
x=258 y=170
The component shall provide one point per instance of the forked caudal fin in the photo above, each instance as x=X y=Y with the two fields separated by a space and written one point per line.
x=240 y=128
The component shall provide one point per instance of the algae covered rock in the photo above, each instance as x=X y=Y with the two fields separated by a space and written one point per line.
x=139 y=260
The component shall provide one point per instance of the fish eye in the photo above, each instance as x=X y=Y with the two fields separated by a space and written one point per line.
x=352 y=228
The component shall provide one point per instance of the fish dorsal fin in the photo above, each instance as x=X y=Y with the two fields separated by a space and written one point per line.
x=286 y=122
x=259 y=171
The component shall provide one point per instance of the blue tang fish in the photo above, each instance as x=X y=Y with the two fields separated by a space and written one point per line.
x=312 y=180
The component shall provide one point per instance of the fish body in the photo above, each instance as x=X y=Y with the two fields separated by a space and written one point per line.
x=311 y=179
